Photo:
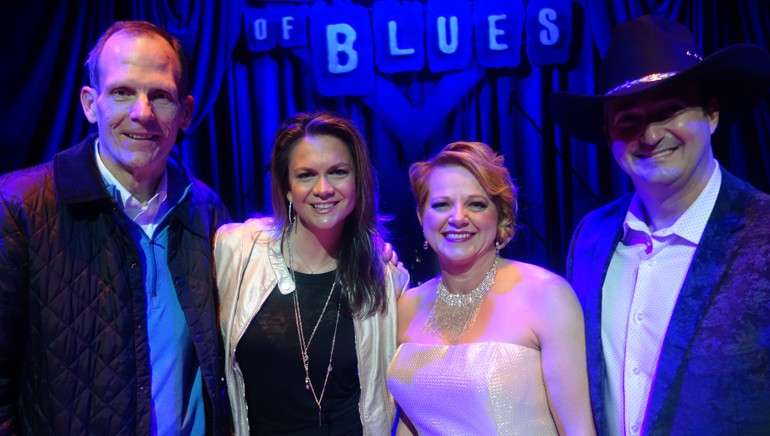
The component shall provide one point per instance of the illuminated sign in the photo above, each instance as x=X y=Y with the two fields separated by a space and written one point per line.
x=349 y=44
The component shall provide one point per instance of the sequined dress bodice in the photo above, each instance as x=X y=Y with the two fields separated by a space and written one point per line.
x=487 y=388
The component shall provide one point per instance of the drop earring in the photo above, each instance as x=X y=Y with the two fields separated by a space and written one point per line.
x=291 y=219
x=425 y=245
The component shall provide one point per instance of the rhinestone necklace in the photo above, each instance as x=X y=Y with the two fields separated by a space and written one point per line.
x=304 y=345
x=453 y=314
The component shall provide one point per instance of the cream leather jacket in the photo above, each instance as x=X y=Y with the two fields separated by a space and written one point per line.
x=248 y=267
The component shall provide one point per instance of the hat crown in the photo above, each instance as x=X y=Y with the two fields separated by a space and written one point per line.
x=652 y=52
x=643 y=47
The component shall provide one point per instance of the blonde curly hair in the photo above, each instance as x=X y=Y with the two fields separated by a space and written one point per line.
x=487 y=167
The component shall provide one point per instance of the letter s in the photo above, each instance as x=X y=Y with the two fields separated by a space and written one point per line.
x=549 y=35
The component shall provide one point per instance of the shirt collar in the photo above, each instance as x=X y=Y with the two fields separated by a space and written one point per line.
x=130 y=204
x=690 y=225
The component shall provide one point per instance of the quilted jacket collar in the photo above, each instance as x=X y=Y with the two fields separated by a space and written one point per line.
x=77 y=181
x=76 y=176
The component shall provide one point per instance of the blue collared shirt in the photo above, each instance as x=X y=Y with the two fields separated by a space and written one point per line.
x=177 y=394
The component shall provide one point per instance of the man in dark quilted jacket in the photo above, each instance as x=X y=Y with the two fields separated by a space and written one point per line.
x=107 y=303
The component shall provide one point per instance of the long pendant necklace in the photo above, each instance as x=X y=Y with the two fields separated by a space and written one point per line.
x=453 y=314
x=304 y=345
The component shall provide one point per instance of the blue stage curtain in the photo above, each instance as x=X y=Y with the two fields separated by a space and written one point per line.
x=242 y=96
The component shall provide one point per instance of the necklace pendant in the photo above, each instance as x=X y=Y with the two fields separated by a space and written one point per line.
x=330 y=368
x=307 y=383
x=319 y=416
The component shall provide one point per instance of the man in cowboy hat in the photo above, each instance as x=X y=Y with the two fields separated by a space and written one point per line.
x=673 y=278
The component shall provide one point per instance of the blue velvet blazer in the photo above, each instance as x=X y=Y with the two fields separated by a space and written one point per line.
x=713 y=374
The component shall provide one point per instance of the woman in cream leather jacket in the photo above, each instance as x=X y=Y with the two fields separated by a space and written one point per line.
x=308 y=308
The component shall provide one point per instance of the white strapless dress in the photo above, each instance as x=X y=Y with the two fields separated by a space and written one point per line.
x=487 y=388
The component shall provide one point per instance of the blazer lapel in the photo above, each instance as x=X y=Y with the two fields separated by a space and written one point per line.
x=711 y=260
x=594 y=252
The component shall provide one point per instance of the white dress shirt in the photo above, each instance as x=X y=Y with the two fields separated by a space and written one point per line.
x=147 y=216
x=643 y=281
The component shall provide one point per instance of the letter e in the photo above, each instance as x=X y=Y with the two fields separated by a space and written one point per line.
x=494 y=32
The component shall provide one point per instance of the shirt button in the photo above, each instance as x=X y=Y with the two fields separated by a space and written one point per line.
x=635 y=428
x=652 y=263
x=639 y=317
x=636 y=371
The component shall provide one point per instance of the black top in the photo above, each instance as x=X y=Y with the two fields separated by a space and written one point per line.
x=269 y=357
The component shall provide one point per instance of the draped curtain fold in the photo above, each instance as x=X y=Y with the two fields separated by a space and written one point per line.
x=242 y=96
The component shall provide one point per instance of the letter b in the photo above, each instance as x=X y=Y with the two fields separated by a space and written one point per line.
x=341 y=56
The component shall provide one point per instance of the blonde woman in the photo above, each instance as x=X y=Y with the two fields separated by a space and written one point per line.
x=490 y=346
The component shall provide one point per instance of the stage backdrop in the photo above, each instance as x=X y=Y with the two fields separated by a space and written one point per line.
x=485 y=77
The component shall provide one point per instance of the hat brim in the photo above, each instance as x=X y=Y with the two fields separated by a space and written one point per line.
x=737 y=76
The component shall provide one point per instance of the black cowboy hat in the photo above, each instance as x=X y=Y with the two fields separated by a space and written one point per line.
x=650 y=52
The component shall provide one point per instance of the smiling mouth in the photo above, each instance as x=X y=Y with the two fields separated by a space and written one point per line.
x=141 y=137
x=457 y=237
x=656 y=154
x=323 y=207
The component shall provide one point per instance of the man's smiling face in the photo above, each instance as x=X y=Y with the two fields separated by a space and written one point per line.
x=662 y=138
x=137 y=107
